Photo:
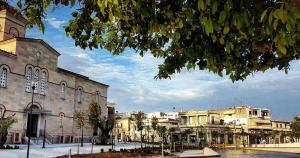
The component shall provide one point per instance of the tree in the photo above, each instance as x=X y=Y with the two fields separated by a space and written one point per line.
x=295 y=126
x=232 y=37
x=140 y=124
x=94 y=115
x=186 y=133
x=5 y=124
x=171 y=131
x=161 y=131
x=106 y=125
x=80 y=119
x=154 y=124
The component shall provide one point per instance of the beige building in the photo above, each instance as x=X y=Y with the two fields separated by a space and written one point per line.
x=58 y=92
x=238 y=125
x=126 y=128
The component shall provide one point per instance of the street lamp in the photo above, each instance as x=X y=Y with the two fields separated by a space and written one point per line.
x=30 y=118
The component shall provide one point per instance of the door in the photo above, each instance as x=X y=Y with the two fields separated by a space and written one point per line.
x=34 y=129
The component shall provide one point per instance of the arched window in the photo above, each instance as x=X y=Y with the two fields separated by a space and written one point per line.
x=2 y=110
x=3 y=77
x=14 y=32
x=43 y=82
x=98 y=97
x=62 y=90
x=79 y=93
x=28 y=79
x=36 y=80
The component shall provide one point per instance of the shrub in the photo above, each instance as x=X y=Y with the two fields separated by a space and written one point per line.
x=121 y=150
x=147 y=151
x=109 y=150
x=102 y=150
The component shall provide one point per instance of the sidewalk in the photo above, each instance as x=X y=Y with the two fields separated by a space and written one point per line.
x=55 y=150
x=292 y=150
x=206 y=152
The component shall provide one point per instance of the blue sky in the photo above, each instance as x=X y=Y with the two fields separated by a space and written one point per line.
x=132 y=86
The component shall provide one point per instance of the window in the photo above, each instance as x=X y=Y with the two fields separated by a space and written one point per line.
x=62 y=90
x=14 y=32
x=255 y=112
x=36 y=78
x=79 y=93
x=1 y=112
x=212 y=119
x=3 y=77
x=250 y=113
x=190 y=120
x=43 y=82
x=98 y=97
x=199 y=120
x=221 y=122
x=28 y=79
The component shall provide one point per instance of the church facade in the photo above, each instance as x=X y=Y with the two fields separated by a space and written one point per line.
x=58 y=93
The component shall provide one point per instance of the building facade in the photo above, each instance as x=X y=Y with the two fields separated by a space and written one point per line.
x=58 y=93
x=237 y=126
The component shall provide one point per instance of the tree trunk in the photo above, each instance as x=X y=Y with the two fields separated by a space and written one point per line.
x=3 y=138
x=141 y=139
x=104 y=137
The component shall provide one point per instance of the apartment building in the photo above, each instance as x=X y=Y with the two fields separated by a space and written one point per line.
x=239 y=125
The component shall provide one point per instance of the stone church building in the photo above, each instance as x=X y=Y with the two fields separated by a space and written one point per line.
x=58 y=93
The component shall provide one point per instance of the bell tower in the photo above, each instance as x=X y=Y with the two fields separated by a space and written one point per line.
x=12 y=23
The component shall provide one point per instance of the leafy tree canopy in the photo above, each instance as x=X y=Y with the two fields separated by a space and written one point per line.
x=232 y=37
x=94 y=114
x=295 y=126
x=139 y=117
x=154 y=123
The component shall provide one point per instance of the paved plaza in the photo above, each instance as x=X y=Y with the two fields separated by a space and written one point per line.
x=36 y=151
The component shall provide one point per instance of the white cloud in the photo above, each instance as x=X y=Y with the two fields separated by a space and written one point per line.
x=132 y=85
x=55 y=23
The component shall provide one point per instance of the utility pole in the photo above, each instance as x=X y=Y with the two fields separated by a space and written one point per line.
x=30 y=120
x=44 y=135
x=81 y=135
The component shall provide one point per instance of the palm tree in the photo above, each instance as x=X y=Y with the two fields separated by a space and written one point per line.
x=140 y=124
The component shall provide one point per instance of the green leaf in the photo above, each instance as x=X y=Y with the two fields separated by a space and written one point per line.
x=200 y=5
x=225 y=30
x=282 y=49
x=222 y=17
x=263 y=15
x=275 y=24
x=214 y=7
x=222 y=41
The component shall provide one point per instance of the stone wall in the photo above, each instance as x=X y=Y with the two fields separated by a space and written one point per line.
x=16 y=100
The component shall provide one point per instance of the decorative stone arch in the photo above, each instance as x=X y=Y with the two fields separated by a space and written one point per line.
x=27 y=67
x=79 y=92
x=46 y=71
x=61 y=114
x=5 y=66
x=35 y=104
x=63 y=82
x=2 y=110
x=14 y=32
x=98 y=96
